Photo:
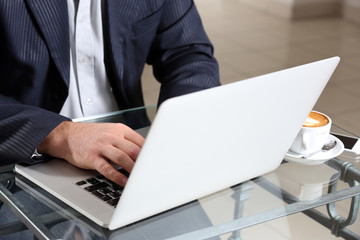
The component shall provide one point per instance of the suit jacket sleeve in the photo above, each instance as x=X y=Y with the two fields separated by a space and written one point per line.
x=181 y=54
x=22 y=129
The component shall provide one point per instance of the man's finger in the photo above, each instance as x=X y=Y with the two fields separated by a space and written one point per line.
x=134 y=137
x=119 y=157
x=111 y=173
x=130 y=148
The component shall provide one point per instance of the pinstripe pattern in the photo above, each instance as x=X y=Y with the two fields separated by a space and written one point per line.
x=35 y=55
x=12 y=145
x=20 y=131
x=20 y=30
x=52 y=17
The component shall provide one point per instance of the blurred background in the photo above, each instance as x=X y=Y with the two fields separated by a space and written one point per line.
x=254 y=37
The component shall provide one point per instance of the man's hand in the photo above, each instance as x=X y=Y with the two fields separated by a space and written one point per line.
x=95 y=146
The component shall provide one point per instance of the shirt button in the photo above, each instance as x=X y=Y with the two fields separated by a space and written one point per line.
x=84 y=59
x=88 y=101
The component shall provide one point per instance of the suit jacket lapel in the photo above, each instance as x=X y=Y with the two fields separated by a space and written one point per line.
x=52 y=18
x=117 y=15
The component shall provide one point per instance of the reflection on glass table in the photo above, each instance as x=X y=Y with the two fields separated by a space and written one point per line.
x=267 y=206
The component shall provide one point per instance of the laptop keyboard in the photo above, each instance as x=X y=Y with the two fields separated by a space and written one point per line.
x=103 y=188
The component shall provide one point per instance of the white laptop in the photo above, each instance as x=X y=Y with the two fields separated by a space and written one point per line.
x=198 y=144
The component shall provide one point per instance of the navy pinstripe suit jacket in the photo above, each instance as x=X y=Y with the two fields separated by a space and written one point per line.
x=35 y=60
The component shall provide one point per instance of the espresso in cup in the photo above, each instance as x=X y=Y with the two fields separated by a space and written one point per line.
x=313 y=134
x=316 y=119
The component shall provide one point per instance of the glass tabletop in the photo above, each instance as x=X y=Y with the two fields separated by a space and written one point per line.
x=259 y=208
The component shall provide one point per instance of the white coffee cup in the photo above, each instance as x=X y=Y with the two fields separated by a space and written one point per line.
x=313 y=134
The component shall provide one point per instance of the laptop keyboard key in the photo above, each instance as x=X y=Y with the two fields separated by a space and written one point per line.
x=92 y=180
x=80 y=183
x=115 y=187
x=114 y=194
x=96 y=186
x=101 y=196
x=113 y=202
x=100 y=177
x=105 y=190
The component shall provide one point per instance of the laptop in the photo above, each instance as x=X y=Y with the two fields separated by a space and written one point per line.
x=198 y=144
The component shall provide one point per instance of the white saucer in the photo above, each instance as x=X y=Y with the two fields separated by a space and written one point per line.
x=319 y=157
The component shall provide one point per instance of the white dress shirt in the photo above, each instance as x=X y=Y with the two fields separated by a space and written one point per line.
x=89 y=91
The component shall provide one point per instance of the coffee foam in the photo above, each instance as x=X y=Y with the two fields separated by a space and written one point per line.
x=316 y=120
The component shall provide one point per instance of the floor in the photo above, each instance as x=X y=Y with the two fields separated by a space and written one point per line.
x=249 y=42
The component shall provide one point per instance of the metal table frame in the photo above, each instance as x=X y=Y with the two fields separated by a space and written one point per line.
x=337 y=224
